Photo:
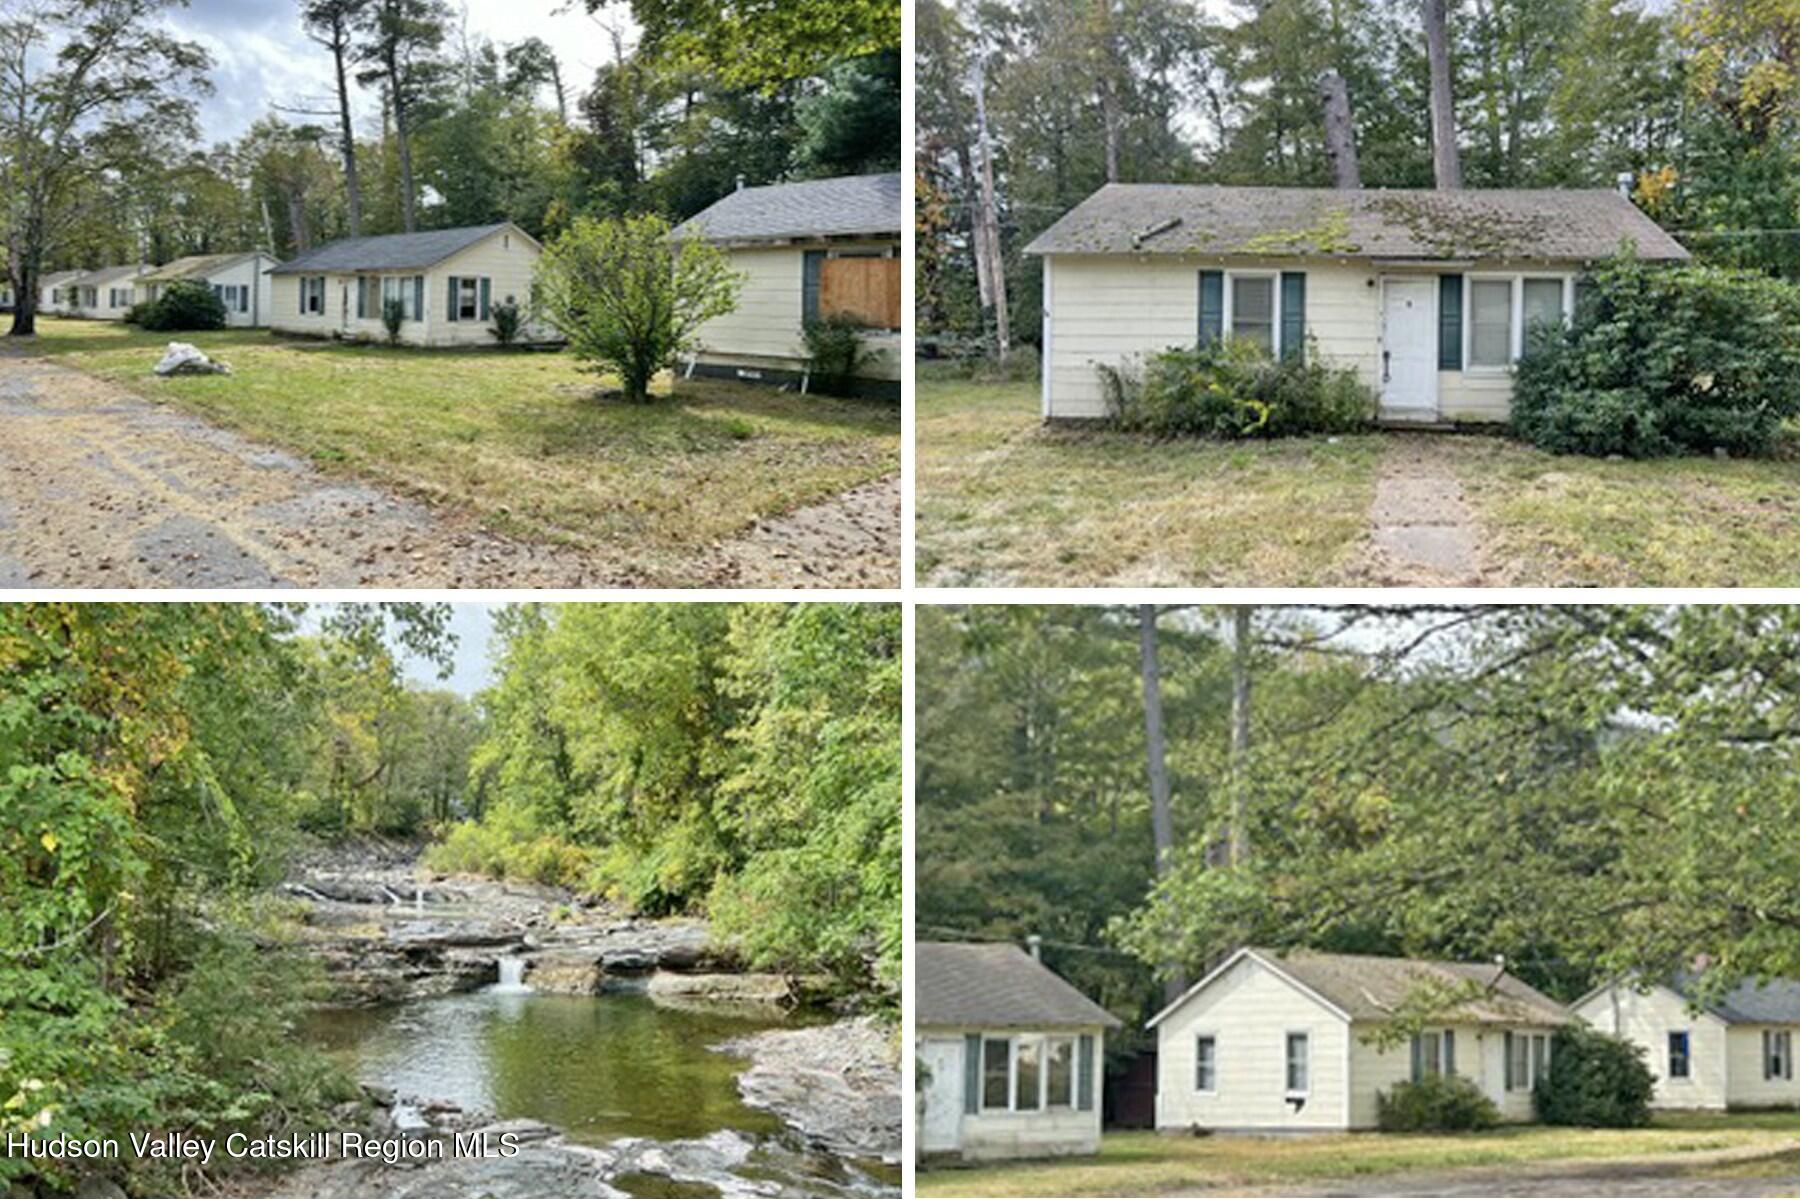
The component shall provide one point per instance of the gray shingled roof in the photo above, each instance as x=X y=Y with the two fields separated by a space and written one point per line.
x=197 y=266
x=1750 y=1002
x=58 y=278
x=1366 y=987
x=1529 y=225
x=845 y=207
x=389 y=252
x=997 y=986
x=108 y=275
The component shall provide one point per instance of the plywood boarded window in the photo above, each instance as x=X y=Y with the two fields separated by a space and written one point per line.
x=864 y=289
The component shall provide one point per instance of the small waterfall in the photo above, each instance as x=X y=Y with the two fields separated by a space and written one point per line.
x=418 y=899
x=512 y=976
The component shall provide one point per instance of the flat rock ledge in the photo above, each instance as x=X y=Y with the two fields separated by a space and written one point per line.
x=837 y=1085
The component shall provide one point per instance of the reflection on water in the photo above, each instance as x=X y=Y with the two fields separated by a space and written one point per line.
x=597 y=1067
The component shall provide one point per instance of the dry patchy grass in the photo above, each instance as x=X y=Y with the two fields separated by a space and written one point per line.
x=1003 y=500
x=1144 y=1163
x=519 y=438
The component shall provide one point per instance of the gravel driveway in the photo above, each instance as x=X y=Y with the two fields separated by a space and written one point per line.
x=100 y=487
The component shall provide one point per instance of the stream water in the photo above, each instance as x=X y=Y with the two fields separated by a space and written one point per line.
x=597 y=1067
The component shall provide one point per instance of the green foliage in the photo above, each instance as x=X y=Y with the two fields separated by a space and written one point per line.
x=852 y=126
x=393 y=318
x=1232 y=389
x=1663 y=361
x=184 y=306
x=629 y=299
x=509 y=322
x=760 y=46
x=738 y=759
x=835 y=352
x=1594 y=1081
x=1435 y=1103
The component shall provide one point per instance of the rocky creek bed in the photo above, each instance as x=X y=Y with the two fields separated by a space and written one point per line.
x=818 y=1096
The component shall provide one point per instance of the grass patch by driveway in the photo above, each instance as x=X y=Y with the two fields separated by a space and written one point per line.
x=1147 y=1163
x=519 y=439
x=1004 y=500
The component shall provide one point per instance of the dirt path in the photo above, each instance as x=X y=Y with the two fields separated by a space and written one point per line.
x=1423 y=532
x=102 y=488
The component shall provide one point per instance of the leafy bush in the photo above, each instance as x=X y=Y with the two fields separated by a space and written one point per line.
x=135 y=314
x=629 y=299
x=509 y=322
x=393 y=315
x=1664 y=360
x=1435 y=1103
x=1594 y=1081
x=509 y=846
x=1233 y=389
x=835 y=351
x=186 y=306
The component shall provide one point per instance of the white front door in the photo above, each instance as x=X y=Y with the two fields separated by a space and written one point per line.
x=1408 y=349
x=941 y=1122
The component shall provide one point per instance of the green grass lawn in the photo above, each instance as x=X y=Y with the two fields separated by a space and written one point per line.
x=1146 y=1163
x=1003 y=500
x=519 y=438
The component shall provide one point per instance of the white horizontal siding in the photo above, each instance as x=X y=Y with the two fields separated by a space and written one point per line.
x=995 y=1135
x=764 y=330
x=1744 y=1070
x=1646 y=1019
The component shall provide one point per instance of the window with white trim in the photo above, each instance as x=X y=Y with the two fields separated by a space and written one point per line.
x=1681 y=1062
x=1206 y=1063
x=1299 y=1072
x=1027 y=1074
x=1253 y=315
x=313 y=293
x=468 y=299
x=1543 y=302
x=1059 y=1072
x=403 y=289
x=1778 y=1054
x=1490 y=323
x=996 y=1073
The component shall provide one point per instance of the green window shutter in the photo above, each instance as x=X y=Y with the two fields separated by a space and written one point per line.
x=1084 y=1075
x=1450 y=300
x=452 y=312
x=809 y=285
x=1293 y=314
x=1212 y=306
x=1418 y=1057
x=972 y=1074
x=362 y=298
x=1507 y=1048
x=487 y=291
x=1449 y=1051
x=418 y=297
x=302 y=282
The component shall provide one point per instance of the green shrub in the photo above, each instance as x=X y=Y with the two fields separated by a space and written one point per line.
x=1435 y=1103
x=1594 y=1081
x=186 y=306
x=135 y=314
x=1234 y=389
x=393 y=315
x=835 y=353
x=509 y=322
x=506 y=848
x=1664 y=360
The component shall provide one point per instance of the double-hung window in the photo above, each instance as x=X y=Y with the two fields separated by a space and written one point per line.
x=1299 y=1074
x=1206 y=1063
x=1434 y=1052
x=996 y=1073
x=403 y=289
x=1059 y=1072
x=1778 y=1054
x=468 y=299
x=1681 y=1061
x=1253 y=309
x=1490 y=323
x=1027 y=1073
x=312 y=294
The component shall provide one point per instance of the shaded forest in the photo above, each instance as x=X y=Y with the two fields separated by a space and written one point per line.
x=1026 y=107
x=1581 y=790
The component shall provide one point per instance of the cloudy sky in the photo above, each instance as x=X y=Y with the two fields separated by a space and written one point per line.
x=261 y=57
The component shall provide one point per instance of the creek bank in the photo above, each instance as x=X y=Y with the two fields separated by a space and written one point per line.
x=837 y=1085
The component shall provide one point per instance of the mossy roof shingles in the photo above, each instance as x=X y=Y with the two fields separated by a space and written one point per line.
x=1518 y=225
x=848 y=206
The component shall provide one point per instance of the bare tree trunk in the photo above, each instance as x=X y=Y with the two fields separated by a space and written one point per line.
x=402 y=145
x=1446 y=166
x=352 y=182
x=556 y=82
x=1162 y=825
x=1340 y=131
x=1109 y=89
x=297 y=223
x=990 y=218
x=984 y=279
x=1239 y=843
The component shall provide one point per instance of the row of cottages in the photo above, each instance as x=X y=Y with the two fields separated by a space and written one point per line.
x=1011 y=1056
x=1426 y=294
x=1732 y=1051
x=447 y=281
x=1293 y=1041
x=809 y=251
